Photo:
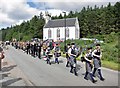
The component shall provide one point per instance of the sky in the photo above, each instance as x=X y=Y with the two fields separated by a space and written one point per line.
x=14 y=12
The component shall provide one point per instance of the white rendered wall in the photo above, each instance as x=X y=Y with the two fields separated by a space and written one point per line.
x=62 y=33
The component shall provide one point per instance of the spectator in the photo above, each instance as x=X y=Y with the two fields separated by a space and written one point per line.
x=1 y=56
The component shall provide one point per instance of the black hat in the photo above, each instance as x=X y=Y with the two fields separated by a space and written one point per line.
x=73 y=43
x=68 y=44
x=89 y=48
x=56 y=43
x=97 y=44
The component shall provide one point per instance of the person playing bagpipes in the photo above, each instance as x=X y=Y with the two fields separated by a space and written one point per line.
x=72 y=55
x=88 y=59
x=57 y=53
x=97 y=54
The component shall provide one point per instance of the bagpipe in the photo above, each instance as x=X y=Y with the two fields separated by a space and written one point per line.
x=78 y=52
x=90 y=57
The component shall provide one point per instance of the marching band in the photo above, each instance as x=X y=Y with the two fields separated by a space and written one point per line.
x=50 y=49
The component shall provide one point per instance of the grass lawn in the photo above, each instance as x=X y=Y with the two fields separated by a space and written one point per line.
x=111 y=65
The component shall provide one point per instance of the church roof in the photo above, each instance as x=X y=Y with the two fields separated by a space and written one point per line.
x=60 y=23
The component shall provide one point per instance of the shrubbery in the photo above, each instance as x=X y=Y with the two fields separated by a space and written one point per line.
x=109 y=47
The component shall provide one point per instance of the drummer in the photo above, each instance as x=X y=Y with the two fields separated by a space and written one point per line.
x=48 y=55
x=57 y=53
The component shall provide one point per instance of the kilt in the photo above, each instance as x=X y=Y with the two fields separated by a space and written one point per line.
x=97 y=63
x=72 y=61
x=88 y=67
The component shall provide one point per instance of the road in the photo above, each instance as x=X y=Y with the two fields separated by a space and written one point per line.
x=41 y=74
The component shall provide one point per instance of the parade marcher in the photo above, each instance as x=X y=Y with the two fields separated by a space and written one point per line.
x=67 y=56
x=48 y=55
x=57 y=53
x=15 y=45
x=39 y=50
x=72 y=54
x=28 y=48
x=88 y=62
x=97 y=54
x=51 y=44
x=33 y=49
x=44 y=48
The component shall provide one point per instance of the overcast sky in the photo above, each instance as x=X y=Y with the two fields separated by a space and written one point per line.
x=14 y=12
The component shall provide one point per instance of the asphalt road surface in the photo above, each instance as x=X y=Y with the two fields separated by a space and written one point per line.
x=41 y=74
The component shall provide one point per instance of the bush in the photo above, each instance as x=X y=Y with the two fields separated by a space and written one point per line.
x=110 y=46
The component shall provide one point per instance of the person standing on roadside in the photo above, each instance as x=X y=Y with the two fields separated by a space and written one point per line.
x=1 y=57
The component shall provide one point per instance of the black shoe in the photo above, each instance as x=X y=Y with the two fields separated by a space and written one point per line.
x=85 y=78
x=49 y=63
x=67 y=66
x=94 y=81
x=58 y=62
x=71 y=71
x=102 y=79
x=93 y=75
x=76 y=74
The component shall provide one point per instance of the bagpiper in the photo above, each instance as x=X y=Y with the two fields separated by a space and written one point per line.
x=48 y=52
x=97 y=54
x=72 y=54
x=88 y=63
x=57 y=53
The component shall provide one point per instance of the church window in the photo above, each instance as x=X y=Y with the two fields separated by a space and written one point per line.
x=58 y=32
x=67 y=32
x=49 y=33
x=76 y=33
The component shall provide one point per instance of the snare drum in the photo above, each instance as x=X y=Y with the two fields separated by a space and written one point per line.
x=50 y=55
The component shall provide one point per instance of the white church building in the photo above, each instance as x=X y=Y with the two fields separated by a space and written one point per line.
x=55 y=29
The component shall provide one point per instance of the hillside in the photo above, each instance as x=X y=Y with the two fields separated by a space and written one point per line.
x=92 y=21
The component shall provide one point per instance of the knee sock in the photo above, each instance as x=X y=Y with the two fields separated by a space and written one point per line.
x=86 y=74
x=91 y=76
x=100 y=74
